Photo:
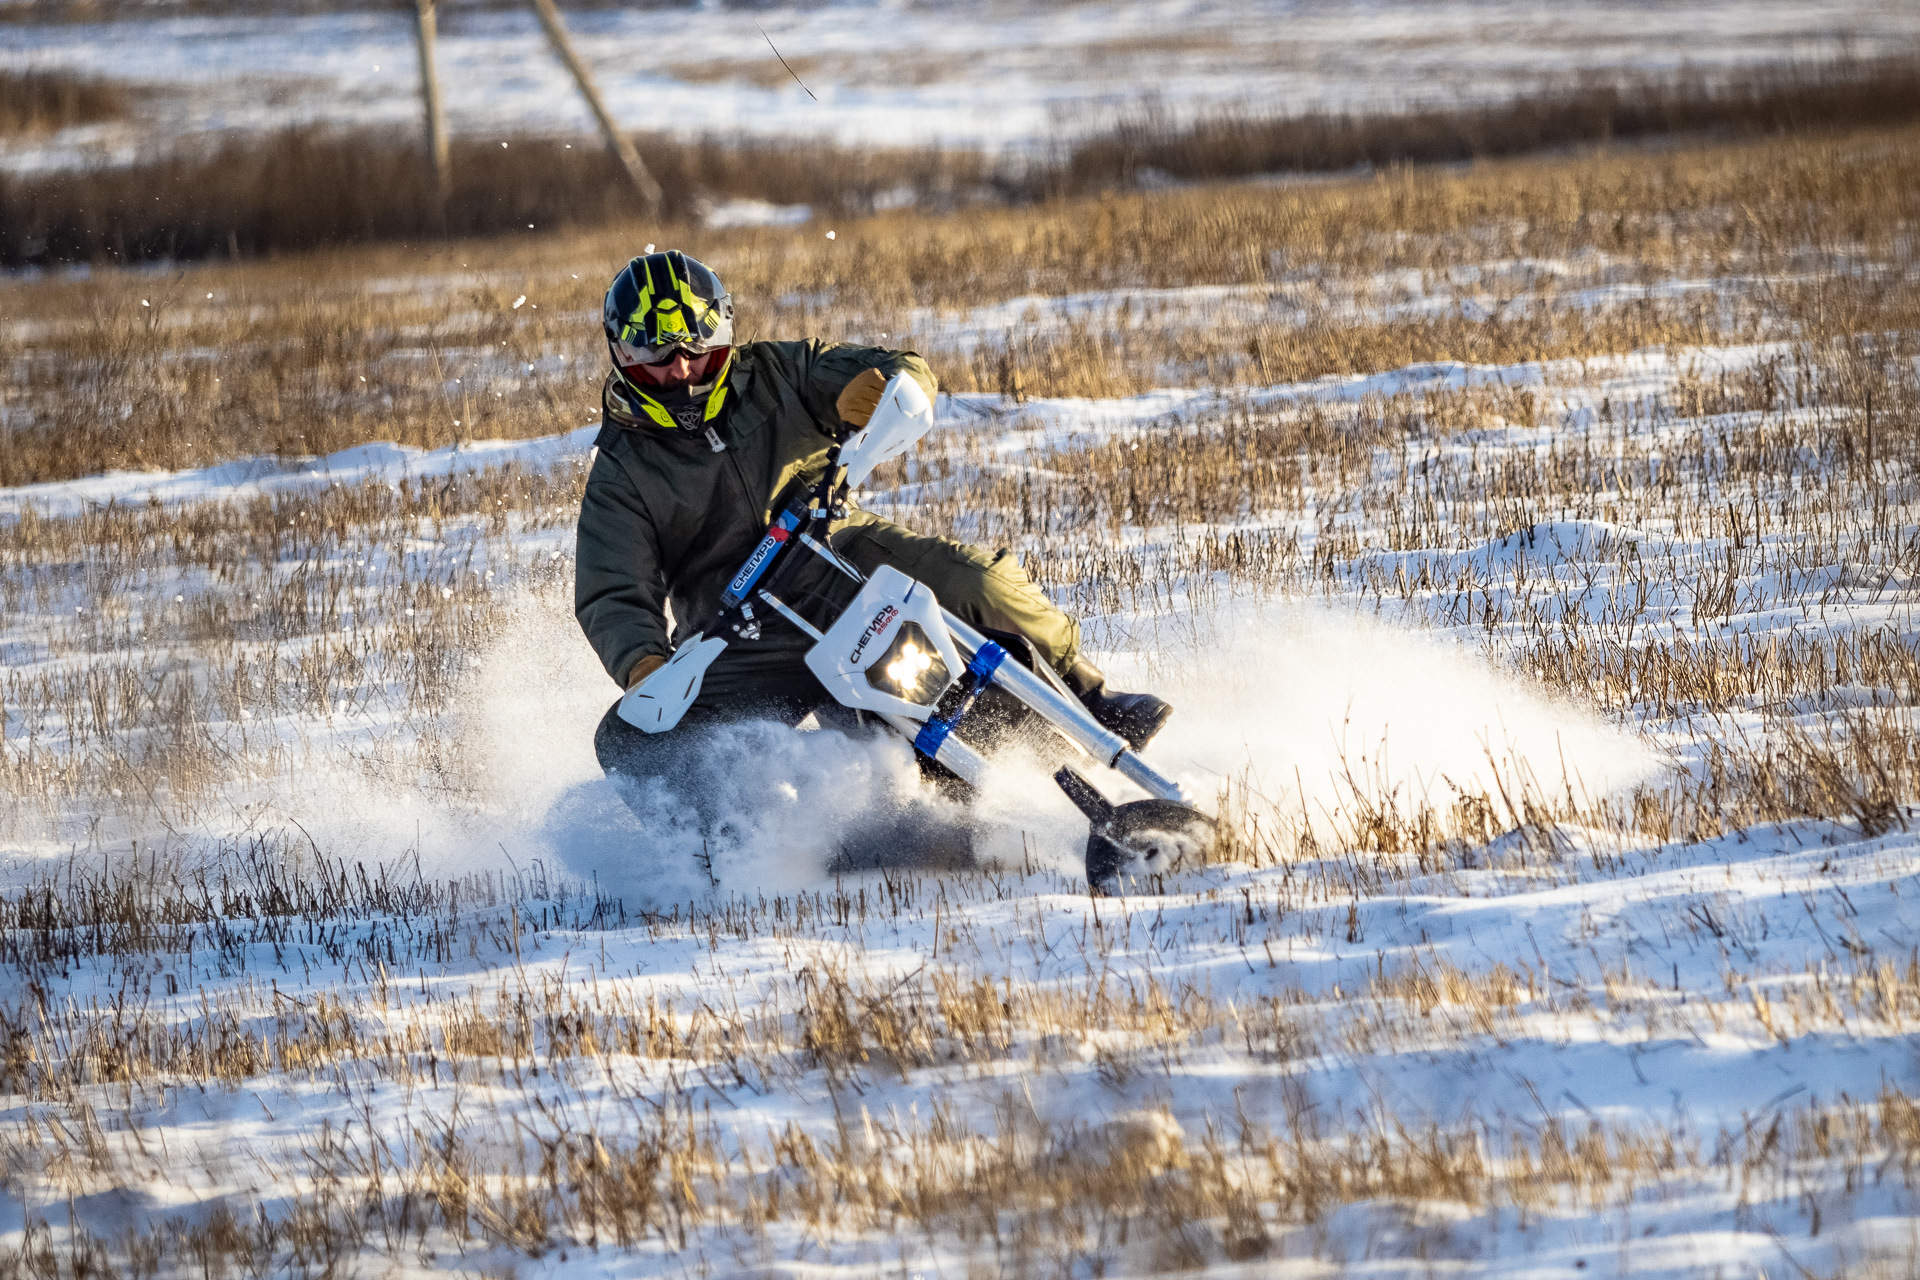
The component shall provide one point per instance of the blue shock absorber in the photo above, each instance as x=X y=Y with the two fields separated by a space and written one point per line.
x=756 y=565
x=980 y=668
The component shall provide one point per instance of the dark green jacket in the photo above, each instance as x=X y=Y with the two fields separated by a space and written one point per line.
x=666 y=519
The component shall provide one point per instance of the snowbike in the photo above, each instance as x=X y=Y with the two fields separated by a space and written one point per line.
x=884 y=647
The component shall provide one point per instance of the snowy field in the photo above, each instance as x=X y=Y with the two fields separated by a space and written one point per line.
x=977 y=73
x=1545 y=1043
x=1530 y=552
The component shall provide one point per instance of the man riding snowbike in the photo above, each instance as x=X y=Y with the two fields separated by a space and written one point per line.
x=700 y=443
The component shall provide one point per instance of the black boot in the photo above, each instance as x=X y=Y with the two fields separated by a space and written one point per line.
x=1134 y=716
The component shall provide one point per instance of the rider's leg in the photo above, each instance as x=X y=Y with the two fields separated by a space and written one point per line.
x=991 y=591
x=987 y=589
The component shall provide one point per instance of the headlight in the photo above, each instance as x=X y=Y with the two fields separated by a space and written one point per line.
x=911 y=669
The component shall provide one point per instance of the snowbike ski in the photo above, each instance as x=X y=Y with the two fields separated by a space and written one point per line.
x=884 y=646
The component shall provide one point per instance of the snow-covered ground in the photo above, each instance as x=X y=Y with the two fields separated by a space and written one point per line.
x=976 y=73
x=1553 y=1043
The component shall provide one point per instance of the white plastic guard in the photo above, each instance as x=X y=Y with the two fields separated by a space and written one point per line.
x=863 y=633
x=905 y=414
x=656 y=704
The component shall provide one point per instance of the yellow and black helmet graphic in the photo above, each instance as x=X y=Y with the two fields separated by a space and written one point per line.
x=664 y=303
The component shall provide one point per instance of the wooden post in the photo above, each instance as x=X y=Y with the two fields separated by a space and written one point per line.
x=617 y=142
x=430 y=91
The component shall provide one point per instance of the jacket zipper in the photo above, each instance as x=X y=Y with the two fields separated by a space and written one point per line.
x=746 y=490
x=755 y=514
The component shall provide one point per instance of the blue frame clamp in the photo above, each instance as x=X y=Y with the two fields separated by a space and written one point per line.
x=980 y=668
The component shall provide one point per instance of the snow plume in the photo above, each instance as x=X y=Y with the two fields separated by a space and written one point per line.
x=1304 y=705
x=1311 y=707
x=755 y=807
x=746 y=808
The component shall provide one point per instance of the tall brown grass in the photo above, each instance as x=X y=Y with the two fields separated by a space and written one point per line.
x=49 y=11
x=313 y=187
x=40 y=101
x=1779 y=98
x=312 y=354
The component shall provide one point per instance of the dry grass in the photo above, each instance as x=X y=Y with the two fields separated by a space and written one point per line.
x=44 y=101
x=867 y=68
x=310 y=355
x=303 y=358
x=47 y=11
x=383 y=624
x=309 y=188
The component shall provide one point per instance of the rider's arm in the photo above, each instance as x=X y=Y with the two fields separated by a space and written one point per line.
x=619 y=593
x=830 y=366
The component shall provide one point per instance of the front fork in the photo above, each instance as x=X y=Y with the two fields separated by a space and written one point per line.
x=1065 y=714
x=1142 y=837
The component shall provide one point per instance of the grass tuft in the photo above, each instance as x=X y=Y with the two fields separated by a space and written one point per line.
x=35 y=101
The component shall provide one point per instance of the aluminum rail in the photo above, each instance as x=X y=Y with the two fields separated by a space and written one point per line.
x=956 y=755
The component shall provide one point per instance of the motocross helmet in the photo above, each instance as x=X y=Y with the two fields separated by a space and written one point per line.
x=662 y=305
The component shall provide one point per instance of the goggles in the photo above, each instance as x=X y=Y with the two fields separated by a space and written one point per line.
x=651 y=370
x=636 y=353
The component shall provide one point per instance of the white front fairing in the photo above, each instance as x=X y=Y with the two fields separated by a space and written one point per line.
x=843 y=657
